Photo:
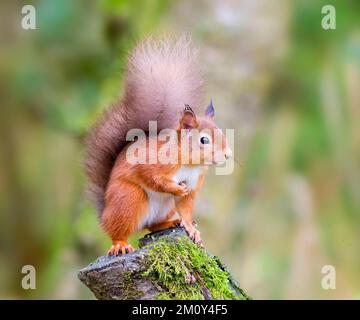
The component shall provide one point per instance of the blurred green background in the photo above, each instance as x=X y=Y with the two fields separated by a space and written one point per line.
x=290 y=89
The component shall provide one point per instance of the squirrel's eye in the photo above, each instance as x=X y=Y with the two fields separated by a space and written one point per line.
x=204 y=140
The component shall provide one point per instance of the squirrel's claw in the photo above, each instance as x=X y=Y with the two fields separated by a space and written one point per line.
x=193 y=233
x=184 y=191
x=120 y=248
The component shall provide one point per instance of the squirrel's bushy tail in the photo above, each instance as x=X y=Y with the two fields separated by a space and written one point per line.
x=161 y=76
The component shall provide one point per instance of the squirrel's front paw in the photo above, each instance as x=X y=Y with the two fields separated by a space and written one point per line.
x=181 y=190
x=193 y=233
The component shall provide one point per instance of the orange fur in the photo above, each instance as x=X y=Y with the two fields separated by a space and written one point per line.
x=126 y=201
x=161 y=76
x=164 y=225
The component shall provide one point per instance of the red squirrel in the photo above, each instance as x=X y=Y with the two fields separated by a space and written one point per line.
x=162 y=77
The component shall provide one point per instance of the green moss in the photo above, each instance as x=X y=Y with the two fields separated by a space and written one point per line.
x=127 y=287
x=184 y=271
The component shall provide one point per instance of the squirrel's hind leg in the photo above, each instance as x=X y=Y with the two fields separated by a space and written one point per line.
x=164 y=225
x=125 y=207
x=120 y=247
x=168 y=222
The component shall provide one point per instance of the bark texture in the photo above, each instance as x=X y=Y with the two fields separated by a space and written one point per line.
x=167 y=266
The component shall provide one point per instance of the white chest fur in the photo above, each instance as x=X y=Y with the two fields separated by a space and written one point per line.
x=188 y=174
x=160 y=204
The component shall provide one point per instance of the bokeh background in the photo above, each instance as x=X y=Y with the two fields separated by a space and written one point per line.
x=289 y=88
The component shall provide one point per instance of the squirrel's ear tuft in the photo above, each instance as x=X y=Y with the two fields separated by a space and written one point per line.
x=188 y=120
x=210 y=111
x=187 y=108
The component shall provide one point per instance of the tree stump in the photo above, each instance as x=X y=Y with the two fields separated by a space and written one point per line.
x=168 y=265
